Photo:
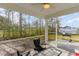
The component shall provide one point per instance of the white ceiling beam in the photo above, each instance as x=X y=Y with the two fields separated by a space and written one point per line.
x=64 y=12
x=14 y=7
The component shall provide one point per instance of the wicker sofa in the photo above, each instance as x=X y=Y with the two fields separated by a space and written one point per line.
x=10 y=48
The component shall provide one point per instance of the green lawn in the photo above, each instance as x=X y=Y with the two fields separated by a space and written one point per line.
x=1 y=33
x=16 y=35
x=73 y=37
x=52 y=37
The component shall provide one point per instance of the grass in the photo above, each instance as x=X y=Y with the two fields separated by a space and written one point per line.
x=1 y=33
x=73 y=37
x=52 y=37
x=17 y=35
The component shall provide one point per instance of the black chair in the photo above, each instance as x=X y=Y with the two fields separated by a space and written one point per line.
x=37 y=45
x=18 y=53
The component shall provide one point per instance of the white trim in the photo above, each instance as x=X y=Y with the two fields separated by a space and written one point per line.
x=56 y=32
x=46 y=31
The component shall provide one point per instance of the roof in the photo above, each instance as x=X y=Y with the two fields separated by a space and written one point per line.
x=36 y=9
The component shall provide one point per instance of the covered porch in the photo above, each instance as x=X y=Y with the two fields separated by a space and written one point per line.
x=23 y=42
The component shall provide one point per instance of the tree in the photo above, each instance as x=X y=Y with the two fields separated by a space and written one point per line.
x=20 y=24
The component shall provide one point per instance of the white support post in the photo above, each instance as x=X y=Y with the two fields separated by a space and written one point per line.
x=46 y=31
x=56 y=34
x=56 y=31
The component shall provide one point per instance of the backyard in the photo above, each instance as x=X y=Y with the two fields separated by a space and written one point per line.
x=19 y=25
x=73 y=37
x=52 y=37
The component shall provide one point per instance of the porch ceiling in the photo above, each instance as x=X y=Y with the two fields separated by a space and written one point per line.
x=36 y=9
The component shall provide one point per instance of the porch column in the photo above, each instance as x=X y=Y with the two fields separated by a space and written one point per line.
x=46 y=30
x=56 y=30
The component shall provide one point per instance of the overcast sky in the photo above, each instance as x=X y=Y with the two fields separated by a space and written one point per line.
x=70 y=20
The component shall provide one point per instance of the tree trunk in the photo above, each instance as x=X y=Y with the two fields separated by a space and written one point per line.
x=20 y=23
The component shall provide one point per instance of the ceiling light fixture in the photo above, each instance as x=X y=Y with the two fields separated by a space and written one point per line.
x=46 y=5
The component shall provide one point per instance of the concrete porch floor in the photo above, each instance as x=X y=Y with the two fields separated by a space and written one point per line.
x=11 y=48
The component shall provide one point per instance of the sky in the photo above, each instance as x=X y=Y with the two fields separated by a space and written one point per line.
x=71 y=20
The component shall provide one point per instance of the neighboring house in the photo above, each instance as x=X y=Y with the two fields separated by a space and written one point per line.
x=68 y=30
